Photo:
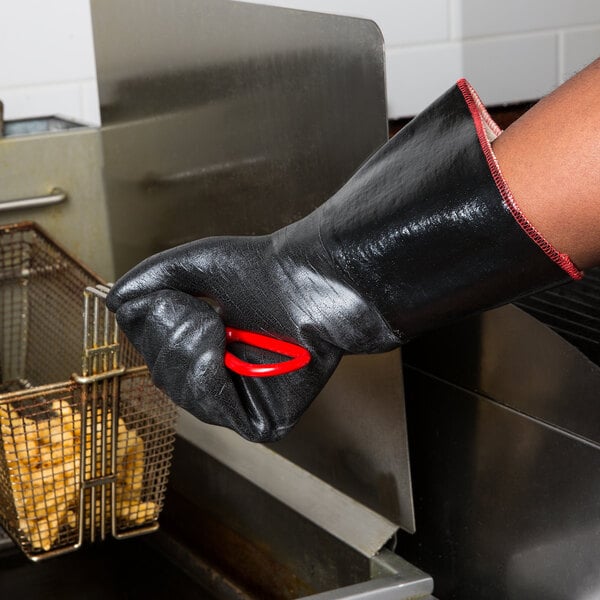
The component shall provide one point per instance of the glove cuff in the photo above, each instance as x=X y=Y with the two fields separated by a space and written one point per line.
x=427 y=229
x=487 y=130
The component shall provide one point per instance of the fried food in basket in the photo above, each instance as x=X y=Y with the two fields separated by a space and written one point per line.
x=44 y=461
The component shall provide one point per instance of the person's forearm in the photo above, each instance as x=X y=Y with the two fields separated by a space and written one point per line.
x=550 y=158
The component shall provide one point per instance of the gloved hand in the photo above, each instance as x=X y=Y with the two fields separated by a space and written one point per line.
x=425 y=232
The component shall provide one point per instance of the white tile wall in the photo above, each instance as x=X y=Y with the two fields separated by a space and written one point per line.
x=496 y=17
x=510 y=50
x=581 y=47
x=500 y=68
x=46 y=59
x=418 y=75
x=63 y=99
x=90 y=109
x=520 y=68
x=45 y=42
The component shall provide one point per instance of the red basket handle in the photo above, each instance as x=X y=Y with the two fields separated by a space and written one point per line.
x=299 y=357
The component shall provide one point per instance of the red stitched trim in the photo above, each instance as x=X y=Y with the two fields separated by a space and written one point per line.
x=480 y=114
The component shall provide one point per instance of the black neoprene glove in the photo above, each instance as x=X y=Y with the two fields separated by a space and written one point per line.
x=425 y=232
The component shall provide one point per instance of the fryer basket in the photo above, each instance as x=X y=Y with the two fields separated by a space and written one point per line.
x=86 y=439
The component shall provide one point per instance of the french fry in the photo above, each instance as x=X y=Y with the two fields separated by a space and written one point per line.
x=72 y=519
x=140 y=512
x=44 y=461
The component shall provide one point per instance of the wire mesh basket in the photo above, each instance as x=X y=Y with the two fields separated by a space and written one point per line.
x=86 y=439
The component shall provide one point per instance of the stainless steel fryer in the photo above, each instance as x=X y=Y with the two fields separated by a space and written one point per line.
x=229 y=118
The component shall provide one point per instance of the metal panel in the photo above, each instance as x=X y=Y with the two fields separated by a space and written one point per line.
x=573 y=311
x=34 y=165
x=506 y=506
x=231 y=118
x=221 y=518
x=354 y=436
x=388 y=588
x=349 y=521
x=503 y=420
x=511 y=357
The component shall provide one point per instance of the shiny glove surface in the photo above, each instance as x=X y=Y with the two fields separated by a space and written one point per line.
x=283 y=285
x=425 y=232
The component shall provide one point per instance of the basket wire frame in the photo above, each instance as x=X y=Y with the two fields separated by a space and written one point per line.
x=86 y=439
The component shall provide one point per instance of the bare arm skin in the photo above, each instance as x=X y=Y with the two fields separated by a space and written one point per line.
x=551 y=160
